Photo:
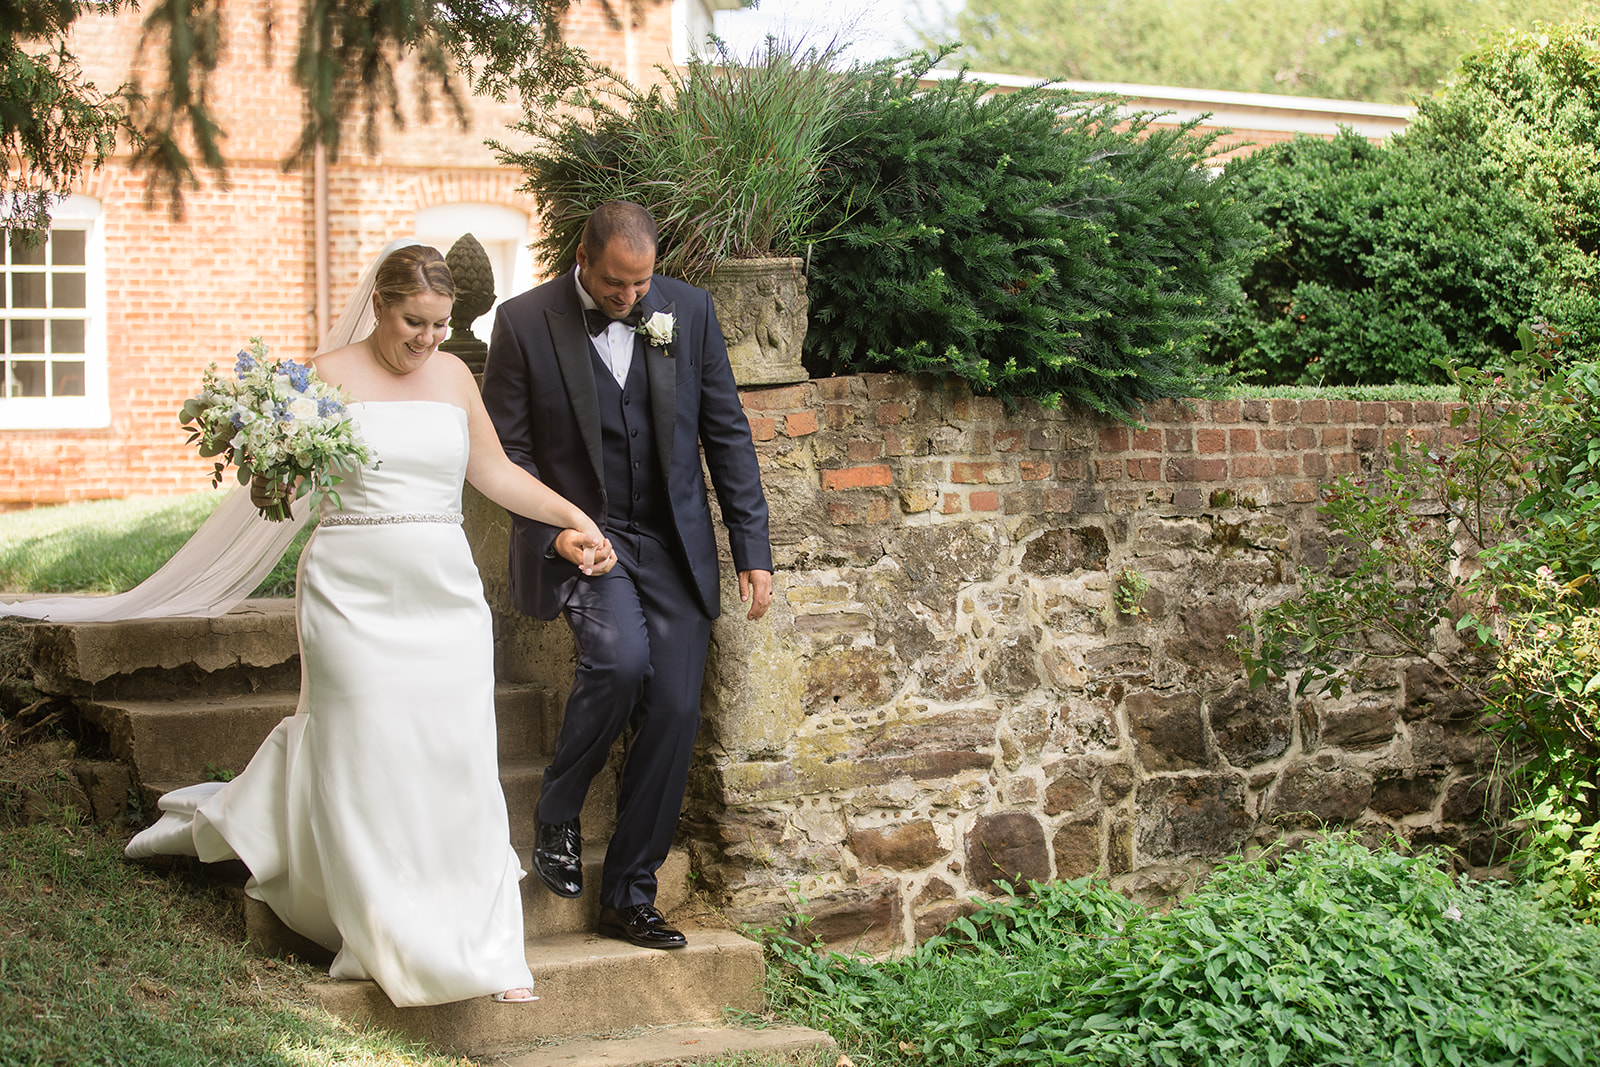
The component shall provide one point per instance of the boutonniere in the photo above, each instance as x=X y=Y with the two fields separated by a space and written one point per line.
x=659 y=329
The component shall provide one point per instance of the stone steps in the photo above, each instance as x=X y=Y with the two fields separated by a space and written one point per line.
x=520 y=781
x=183 y=700
x=543 y=913
x=251 y=648
x=585 y=983
x=175 y=739
x=674 y=1045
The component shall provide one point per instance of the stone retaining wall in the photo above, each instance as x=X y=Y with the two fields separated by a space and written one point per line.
x=944 y=693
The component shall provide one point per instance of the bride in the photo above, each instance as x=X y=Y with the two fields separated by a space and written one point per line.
x=372 y=820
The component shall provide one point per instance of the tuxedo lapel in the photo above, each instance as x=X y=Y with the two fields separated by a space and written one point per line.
x=663 y=370
x=577 y=373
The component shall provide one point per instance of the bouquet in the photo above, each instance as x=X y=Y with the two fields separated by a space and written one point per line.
x=278 y=421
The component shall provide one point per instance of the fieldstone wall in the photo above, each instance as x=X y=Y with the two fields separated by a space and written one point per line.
x=945 y=694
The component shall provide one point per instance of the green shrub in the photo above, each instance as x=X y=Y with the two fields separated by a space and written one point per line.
x=724 y=155
x=1387 y=260
x=1527 y=104
x=1333 y=954
x=1034 y=243
x=1497 y=539
x=1560 y=858
x=1483 y=214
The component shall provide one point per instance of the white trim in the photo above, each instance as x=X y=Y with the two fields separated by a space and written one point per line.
x=93 y=409
x=1237 y=111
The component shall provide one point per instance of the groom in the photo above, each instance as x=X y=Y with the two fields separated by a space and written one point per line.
x=606 y=383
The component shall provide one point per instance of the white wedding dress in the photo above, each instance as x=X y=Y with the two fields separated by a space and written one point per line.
x=372 y=820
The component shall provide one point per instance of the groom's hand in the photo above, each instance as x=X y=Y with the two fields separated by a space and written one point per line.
x=575 y=547
x=756 y=587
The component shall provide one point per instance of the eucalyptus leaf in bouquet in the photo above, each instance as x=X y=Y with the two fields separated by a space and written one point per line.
x=276 y=420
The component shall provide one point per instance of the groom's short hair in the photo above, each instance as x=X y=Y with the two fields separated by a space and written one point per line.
x=619 y=219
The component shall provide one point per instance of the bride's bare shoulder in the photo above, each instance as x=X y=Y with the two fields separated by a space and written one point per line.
x=335 y=366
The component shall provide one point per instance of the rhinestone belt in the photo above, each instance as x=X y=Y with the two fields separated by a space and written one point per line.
x=342 y=519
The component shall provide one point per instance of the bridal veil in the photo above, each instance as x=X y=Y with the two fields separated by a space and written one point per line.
x=233 y=550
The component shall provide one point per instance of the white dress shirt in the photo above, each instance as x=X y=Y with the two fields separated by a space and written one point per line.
x=615 y=344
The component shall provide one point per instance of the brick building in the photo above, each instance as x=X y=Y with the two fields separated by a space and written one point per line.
x=108 y=327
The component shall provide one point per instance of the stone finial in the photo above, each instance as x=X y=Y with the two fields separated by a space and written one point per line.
x=474 y=277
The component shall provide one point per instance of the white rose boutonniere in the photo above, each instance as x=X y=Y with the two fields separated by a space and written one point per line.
x=659 y=330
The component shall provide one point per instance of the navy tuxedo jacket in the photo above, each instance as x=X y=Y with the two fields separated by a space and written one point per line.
x=539 y=387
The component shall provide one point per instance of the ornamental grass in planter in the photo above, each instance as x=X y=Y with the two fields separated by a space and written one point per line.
x=725 y=155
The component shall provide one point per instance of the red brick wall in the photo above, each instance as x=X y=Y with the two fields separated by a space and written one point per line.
x=878 y=457
x=181 y=292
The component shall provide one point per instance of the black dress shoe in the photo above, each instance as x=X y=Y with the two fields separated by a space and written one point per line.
x=558 y=858
x=642 y=924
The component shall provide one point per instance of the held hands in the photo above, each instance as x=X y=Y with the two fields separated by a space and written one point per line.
x=586 y=549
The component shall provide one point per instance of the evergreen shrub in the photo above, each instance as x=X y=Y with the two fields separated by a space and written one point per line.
x=1387 y=260
x=1484 y=214
x=1527 y=106
x=1037 y=244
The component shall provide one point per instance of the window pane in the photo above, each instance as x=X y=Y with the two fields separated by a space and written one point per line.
x=27 y=378
x=67 y=247
x=23 y=253
x=27 y=291
x=27 y=336
x=66 y=378
x=69 y=289
x=66 y=337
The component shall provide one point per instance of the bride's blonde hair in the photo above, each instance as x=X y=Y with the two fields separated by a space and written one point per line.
x=410 y=270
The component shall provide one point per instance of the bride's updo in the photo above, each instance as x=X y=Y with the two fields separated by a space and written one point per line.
x=411 y=270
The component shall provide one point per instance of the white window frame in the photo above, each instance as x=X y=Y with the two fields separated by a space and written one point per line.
x=93 y=409
x=503 y=231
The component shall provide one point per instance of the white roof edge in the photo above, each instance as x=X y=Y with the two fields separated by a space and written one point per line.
x=1215 y=100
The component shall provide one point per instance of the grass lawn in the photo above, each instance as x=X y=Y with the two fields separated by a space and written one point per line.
x=108 y=546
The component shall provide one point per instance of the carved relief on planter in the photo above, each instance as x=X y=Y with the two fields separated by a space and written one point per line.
x=762 y=305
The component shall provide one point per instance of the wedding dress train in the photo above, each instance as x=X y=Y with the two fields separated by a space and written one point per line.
x=372 y=820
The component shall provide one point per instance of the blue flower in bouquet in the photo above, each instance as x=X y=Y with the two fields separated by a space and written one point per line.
x=298 y=374
x=276 y=420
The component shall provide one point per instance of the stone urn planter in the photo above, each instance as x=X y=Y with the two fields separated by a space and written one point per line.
x=762 y=305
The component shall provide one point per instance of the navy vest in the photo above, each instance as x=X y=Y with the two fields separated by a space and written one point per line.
x=635 y=489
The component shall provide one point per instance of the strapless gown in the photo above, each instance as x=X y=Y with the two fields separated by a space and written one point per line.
x=372 y=820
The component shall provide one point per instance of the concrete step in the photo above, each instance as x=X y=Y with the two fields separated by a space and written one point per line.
x=197 y=739
x=544 y=913
x=519 y=781
x=678 y=1045
x=586 y=984
x=253 y=646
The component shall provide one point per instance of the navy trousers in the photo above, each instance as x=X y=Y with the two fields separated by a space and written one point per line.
x=641 y=638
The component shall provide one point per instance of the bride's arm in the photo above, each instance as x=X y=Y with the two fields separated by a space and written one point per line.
x=514 y=489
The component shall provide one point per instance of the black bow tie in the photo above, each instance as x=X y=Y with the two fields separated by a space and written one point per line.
x=598 y=320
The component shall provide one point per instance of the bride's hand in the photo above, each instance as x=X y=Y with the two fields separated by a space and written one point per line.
x=585 y=549
x=265 y=494
x=604 y=558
